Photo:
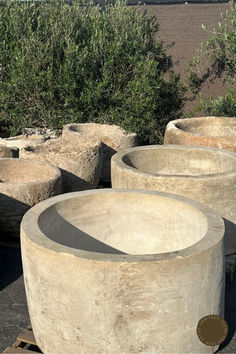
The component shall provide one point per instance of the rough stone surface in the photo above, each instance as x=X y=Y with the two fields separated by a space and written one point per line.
x=24 y=183
x=112 y=137
x=123 y=271
x=8 y=151
x=80 y=161
x=23 y=141
x=204 y=174
x=219 y=132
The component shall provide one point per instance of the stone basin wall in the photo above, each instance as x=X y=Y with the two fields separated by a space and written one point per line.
x=204 y=174
x=112 y=137
x=80 y=161
x=219 y=132
x=105 y=264
x=24 y=183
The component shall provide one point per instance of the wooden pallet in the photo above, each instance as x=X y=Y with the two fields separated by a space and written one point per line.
x=25 y=343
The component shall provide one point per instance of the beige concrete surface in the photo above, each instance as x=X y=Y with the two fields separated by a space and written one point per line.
x=112 y=137
x=219 y=132
x=121 y=271
x=23 y=141
x=80 y=160
x=24 y=183
x=204 y=174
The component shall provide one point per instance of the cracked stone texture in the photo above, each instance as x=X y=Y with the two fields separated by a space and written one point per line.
x=113 y=138
x=80 y=161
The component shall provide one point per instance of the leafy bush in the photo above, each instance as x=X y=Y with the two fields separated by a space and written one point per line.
x=217 y=59
x=62 y=62
x=224 y=106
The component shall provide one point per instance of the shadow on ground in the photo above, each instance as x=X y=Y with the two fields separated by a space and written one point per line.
x=10 y=265
x=229 y=345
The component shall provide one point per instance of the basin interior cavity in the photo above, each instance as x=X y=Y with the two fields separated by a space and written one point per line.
x=179 y=161
x=96 y=129
x=22 y=171
x=123 y=223
x=209 y=126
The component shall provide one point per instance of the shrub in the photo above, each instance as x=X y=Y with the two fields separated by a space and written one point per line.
x=62 y=62
x=217 y=59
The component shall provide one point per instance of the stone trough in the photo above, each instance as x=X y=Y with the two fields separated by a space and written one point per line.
x=112 y=137
x=217 y=132
x=121 y=271
x=204 y=174
x=79 y=160
x=24 y=183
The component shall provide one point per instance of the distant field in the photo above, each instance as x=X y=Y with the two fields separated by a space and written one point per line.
x=182 y=24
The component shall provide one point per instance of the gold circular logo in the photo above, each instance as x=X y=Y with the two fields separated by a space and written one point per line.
x=212 y=330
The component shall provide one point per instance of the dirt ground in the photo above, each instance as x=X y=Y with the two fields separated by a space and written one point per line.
x=183 y=25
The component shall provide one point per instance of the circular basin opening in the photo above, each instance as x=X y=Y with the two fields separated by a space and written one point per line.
x=97 y=130
x=25 y=171
x=123 y=223
x=175 y=160
x=209 y=126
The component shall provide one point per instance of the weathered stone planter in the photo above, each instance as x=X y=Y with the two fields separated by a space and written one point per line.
x=80 y=163
x=124 y=271
x=23 y=184
x=204 y=174
x=113 y=139
x=23 y=141
x=217 y=132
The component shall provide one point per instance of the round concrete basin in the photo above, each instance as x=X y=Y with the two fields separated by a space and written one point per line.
x=204 y=174
x=121 y=271
x=112 y=137
x=24 y=183
x=217 y=132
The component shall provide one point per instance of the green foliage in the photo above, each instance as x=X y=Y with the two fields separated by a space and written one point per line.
x=223 y=106
x=217 y=59
x=61 y=62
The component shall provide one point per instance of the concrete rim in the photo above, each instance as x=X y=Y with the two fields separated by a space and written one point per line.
x=117 y=129
x=30 y=230
x=172 y=125
x=117 y=159
x=55 y=176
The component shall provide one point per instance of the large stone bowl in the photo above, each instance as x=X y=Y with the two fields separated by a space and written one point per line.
x=24 y=183
x=112 y=137
x=80 y=161
x=217 y=132
x=204 y=174
x=121 y=271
